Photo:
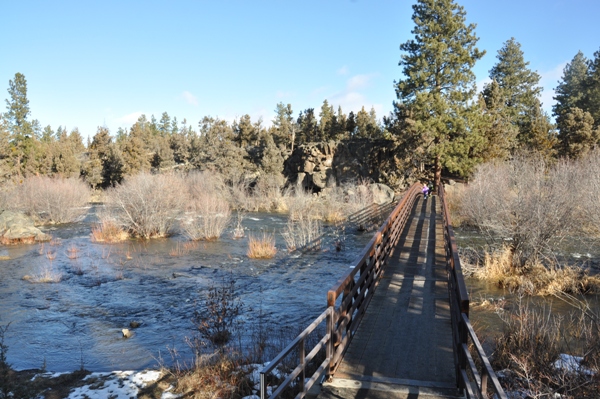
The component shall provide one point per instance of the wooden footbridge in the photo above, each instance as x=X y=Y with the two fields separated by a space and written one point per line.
x=397 y=325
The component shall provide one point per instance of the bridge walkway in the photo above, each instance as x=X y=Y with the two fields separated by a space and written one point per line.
x=403 y=346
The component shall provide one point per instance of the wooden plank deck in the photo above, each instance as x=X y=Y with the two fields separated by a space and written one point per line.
x=403 y=346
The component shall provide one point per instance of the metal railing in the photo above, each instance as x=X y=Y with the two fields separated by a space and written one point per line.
x=348 y=299
x=472 y=378
x=346 y=304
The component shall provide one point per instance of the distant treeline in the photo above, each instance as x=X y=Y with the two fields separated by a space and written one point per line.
x=504 y=119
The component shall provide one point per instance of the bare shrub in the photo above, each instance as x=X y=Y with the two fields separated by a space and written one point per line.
x=532 y=351
x=359 y=194
x=262 y=247
x=268 y=193
x=208 y=213
x=590 y=205
x=303 y=234
x=525 y=204
x=147 y=205
x=216 y=321
x=52 y=200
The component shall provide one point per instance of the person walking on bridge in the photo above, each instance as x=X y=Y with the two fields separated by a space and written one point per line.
x=425 y=190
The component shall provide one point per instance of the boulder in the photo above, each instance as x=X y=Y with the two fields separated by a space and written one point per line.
x=17 y=227
x=382 y=194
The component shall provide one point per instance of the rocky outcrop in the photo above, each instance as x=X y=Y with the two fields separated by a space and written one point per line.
x=315 y=166
x=16 y=227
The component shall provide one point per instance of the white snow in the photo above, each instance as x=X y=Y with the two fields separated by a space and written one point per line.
x=117 y=385
x=571 y=364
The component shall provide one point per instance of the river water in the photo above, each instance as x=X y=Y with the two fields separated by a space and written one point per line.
x=158 y=283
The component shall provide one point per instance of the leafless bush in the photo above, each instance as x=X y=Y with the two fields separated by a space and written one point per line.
x=525 y=204
x=590 y=205
x=268 y=193
x=208 y=211
x=532 y=351
x=303 y=234
x=360 y=195
x=52 y=200
x=147 y=205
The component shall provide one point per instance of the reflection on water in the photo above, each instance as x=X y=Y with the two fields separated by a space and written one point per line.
x=486 y=298
x=156 y=283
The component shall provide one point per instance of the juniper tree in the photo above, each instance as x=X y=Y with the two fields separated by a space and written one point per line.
x=438 y=84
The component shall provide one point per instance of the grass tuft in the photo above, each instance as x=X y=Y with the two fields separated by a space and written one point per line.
x=108 y=231
x=261 y=247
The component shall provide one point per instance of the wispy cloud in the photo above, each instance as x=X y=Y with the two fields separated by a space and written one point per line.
x=359 y=81
x=190 y=98
x=284 y=94
x=129 y=119
x=549 y=81
x=343 y=70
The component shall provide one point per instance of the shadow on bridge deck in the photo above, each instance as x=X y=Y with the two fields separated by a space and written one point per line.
x=403 y=346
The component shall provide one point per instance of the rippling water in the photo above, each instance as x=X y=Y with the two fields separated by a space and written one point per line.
x=104 y=287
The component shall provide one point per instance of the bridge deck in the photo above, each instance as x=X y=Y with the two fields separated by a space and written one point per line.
x=403 y=346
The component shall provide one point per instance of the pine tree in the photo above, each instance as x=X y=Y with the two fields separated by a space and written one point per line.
x=438 y=82
x=518 y=85
x=22 y=131
x=570 y=91
x=307 y=126
x=497 y=127
x=577 y=135
x=326 y=122
x=285 y=129
x=592 y=89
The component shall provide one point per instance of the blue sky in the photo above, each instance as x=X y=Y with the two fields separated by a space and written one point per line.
x=94 y=63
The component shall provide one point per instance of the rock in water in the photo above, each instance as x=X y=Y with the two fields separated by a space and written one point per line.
x=126 y=333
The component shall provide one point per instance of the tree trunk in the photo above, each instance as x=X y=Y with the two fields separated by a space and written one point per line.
x=437 y=176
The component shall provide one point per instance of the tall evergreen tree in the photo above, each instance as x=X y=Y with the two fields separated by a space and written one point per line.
x=592 y=89
x=438 y=82
x=326 y=122
x=285 y=129
x=22 y=131
x=307 y=126
x=497 y=127
x=570 y=91
x=518 y=85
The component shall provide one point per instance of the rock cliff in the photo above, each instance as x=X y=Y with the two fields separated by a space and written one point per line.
x=315 y=166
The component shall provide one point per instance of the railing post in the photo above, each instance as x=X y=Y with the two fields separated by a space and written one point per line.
x=329 y=349
x=263 y=386
x=302 y=361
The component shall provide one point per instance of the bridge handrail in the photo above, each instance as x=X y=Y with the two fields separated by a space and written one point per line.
x=356 y=287
x=462 y=330
x=299 y=371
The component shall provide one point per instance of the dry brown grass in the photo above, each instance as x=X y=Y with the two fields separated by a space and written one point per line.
x=536 y=279
x=17 y=241
x=182 y=249
x=261 y=247
x=47 y=275
x=218 y=376
x=108 y=231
